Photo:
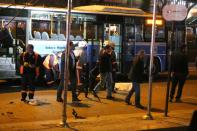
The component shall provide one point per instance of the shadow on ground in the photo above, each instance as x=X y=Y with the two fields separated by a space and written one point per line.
x=183 y=128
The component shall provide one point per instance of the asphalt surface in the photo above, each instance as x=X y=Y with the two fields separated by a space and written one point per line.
x=91 y=111
x=95 y=115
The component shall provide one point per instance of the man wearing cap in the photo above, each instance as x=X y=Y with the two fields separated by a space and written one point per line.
x=105 y=68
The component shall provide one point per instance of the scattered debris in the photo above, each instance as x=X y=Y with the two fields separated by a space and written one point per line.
x=76 y=116
x=9 y=112
x=11 y=102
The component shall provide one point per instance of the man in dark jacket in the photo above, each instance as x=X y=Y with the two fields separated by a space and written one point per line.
x=179 y=73
x=105 y=68
x=72 y=75
x=136 y=75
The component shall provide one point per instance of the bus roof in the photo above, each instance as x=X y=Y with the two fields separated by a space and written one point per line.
x=90 y=9
x=112 y=10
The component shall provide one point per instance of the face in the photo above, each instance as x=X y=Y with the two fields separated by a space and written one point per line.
x=29 y=49
x=109 y=50
x=71 y=46
x=142 y=55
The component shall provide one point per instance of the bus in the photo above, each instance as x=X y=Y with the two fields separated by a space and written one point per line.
x=91 y=26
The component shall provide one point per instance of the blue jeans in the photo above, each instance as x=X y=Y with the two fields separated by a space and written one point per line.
x=135 y=88
x=106 y=79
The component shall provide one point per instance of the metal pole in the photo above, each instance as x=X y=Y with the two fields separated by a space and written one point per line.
x=66 y=69
x=169 y=72
x=148 y=116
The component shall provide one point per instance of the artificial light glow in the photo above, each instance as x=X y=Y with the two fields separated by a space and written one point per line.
x=150 y=22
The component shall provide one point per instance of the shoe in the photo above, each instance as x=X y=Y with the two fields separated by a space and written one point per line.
x=127 y=102
x=170 y=100
x=178 y=101
x=76 y=100
x=94 y=93
x=86 y=95
x=110 y=98
x=139 y=106
x=25 y=101
x=60 y=100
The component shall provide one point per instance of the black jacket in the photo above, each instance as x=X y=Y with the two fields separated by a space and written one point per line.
x=136 y=73
x=179 y=64
x=72 y=65
x=105 y=63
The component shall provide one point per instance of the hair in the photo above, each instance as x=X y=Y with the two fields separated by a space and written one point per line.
x=107 y=47
x=71 y=43
x=31 y=46
x=139 y=54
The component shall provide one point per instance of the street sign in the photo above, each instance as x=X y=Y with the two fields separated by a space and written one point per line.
x=174 y=12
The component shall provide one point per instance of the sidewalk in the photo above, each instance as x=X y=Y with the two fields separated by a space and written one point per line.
x=106 y=115
x=177 y=121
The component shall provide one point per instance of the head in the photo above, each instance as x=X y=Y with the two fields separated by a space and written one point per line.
x=30 y=48
x=112 y=44
x=71 y=45
x=108 y=49
x=141 y=54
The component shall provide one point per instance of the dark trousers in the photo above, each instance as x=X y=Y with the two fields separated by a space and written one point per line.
x=180 y=80
x=135 y=88
x=72 y=85
x=27 y=85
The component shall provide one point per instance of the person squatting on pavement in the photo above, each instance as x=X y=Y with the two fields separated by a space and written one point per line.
x=136 y=75
x=51 y=66
x=105 y=68
x=29 y=70
x=72 y=75
x=179 y=72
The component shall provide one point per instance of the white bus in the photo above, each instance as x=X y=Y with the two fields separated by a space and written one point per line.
x=45 y=28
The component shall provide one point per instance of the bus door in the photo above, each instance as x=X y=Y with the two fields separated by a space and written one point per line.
x=112 y=32
x=128 y=46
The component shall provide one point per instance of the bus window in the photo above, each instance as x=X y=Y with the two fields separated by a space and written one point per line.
x=159 y=34
x=41 y=26
x=139 y=33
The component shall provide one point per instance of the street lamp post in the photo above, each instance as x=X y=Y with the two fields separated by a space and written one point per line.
x=66 y=69
x=148 y=116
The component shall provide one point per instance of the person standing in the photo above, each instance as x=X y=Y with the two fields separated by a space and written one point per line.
x=179 y=73
x=29 y=70
x=105 y=68
x=72 y=75
x=136 y=74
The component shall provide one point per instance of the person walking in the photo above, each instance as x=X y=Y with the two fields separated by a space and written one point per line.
x=136 y=74
x=114 y=66
x=179 y=73
x=72 y=75
x=29 y=70
x=105 y=68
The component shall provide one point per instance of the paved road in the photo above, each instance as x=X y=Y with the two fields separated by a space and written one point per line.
x=12 y=110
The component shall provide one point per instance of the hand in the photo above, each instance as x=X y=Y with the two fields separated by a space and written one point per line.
x=79 y=84
x=32 y=66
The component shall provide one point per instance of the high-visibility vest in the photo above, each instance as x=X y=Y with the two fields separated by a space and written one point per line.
x=50 y=61
x=36 y=60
